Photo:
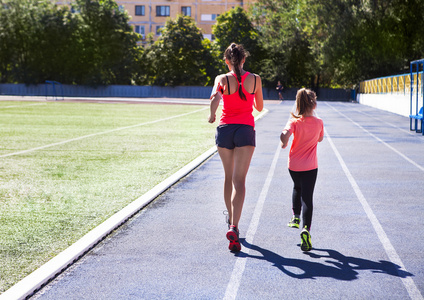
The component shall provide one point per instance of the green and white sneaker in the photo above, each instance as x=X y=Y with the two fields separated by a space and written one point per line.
x=305 y=236
x=294 y=222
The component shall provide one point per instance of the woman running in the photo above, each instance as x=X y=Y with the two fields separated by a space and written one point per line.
x=235 y=134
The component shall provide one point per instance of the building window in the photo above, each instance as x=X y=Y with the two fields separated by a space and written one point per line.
x=210 y=17
x=159 y=29
x=162 y=11
x=139 y=10
x=186 y=11
x=139 y=29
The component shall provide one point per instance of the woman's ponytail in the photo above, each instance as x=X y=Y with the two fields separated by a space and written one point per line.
x=235 y=55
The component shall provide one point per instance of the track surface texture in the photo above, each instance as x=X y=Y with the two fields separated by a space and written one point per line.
x=366 y=230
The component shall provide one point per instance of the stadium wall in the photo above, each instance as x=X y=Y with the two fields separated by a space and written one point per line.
x=195 y=92
x=393 y=93
x=395 y=103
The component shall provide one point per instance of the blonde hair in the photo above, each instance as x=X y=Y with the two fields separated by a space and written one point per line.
x=306 y=100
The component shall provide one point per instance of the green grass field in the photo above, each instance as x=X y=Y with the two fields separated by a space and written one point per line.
x=66 y=167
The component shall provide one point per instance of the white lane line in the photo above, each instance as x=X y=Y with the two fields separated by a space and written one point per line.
x=25 y=105
x=380 y=140
x=409 y=284
x=100 y=133
x=387 y=123
x=234 y=283
x=382 y=121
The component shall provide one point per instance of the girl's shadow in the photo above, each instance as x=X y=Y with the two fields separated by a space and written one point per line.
x=335 y=265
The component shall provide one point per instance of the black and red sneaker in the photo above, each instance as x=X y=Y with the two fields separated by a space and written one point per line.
x=233 y=237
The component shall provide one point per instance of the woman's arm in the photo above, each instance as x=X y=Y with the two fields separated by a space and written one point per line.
x=215 y=98
x=258 y=102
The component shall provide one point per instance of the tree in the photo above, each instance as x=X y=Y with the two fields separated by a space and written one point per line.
x=42 y=41
x=31 y=37
x=179 y=56
x=368 y=39
x=285 y=36
x=234 y=26
x=109 y=50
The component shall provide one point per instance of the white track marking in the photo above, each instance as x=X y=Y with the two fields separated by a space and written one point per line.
x=378 y=139
x=234 y=284
x=387 y=123
x=34 y=281
x=409 y=284
x=100 y=133
x=390 y=124
x=25 y=105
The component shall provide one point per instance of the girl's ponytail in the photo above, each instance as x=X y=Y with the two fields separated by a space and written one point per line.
x=306 y=100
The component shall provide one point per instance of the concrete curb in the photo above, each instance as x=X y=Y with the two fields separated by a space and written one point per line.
x=37 y=279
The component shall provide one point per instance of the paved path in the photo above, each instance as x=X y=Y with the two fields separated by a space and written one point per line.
x=366 y=233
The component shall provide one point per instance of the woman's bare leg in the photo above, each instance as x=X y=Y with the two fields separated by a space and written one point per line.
x=227 y=158
x=236 y=163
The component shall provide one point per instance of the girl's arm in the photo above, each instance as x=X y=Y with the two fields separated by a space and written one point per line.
x=284 y=137
x=258 y=102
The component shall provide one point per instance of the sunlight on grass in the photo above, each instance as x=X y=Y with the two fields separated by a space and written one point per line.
x=50 y=198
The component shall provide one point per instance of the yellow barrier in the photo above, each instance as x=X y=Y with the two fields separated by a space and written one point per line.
x=393 y=84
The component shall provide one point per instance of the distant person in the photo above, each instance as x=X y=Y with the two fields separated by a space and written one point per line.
x=235 y=134
x=308 y=130
x=279 y=89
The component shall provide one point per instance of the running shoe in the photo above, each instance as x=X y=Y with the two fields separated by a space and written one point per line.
x=305 y=236
x=294 y=222
x=233 y=237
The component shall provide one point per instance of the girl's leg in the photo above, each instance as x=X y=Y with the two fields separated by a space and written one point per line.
x=308 y=184
x=242 y=158
x=296 y=195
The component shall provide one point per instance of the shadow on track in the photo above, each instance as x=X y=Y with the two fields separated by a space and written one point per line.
x=331 y=264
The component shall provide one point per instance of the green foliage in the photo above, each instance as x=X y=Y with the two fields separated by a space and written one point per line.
x=109 y=45
x=337 y=43
x=29 y=33
x=285 y=33
x=179 y=56
x=234 y=26
x=329 y=43
x=50 y=199
x=41 y=41
x=370 y=39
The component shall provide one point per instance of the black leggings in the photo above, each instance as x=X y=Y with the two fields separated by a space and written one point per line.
x=303 y=191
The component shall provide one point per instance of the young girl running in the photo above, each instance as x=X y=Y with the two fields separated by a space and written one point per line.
x=235 y=135
x=308 y=130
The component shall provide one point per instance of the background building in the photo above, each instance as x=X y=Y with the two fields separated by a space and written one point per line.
x=150 y=15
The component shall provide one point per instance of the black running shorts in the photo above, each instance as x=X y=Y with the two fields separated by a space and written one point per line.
x=235 y=135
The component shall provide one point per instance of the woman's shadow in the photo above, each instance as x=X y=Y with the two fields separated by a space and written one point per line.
x=336 y=265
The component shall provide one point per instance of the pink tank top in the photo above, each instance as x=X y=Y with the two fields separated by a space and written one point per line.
x=236 y=110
